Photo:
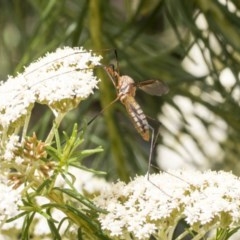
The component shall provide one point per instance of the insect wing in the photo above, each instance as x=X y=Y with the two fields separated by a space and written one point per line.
x=153 y=87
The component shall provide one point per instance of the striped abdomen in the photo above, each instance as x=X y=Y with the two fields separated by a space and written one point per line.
x=138 y=117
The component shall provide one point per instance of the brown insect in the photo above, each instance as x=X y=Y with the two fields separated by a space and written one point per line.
x=126 y=88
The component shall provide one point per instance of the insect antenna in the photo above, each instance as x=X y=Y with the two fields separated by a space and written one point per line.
x=106 y=69
x=117 y=62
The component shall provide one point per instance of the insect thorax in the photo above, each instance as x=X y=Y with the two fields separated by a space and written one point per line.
x=126 y=87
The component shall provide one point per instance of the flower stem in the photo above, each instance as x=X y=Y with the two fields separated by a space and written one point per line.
x=56 y=124
x=106 y=96
x=25 y=127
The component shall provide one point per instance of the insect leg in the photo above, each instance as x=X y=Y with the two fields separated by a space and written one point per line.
x=111 y=72
x=109 y=105
x=154 y=126
x=153 y=142
x=151 y=151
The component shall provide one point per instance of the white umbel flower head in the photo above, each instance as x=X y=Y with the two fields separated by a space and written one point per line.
x=10 y=200
x=16 y=100
x=141 y=209
x=60 y=79
x=69 y=72
x=11 y=146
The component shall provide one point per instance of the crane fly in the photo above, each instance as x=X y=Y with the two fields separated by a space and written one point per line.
x=126 y=89
x=56 y=68
x=64 y=63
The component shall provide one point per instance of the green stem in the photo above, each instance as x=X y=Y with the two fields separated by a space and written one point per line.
x=77 y=220
x=56 y=124
x=117 y=146
x=25 y=127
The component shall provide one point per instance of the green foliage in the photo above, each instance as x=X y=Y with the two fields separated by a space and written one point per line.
x=77 y=208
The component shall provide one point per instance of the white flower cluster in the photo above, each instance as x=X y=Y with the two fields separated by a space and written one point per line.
x=142 y=209
x=11 y=146
x=85 y=182
x=66 y=74
x=10 y=199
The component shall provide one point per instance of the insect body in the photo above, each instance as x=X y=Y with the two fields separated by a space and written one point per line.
x=126 y=93
x=126 y=88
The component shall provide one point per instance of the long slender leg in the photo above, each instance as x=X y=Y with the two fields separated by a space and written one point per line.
x=152 y=146
x=153 y=143
x=151 y=150
x=109 y=105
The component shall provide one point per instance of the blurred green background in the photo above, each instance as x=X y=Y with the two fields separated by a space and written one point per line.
x=192 y=45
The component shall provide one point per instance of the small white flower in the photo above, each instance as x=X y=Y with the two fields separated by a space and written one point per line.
x=69 y=75
x=141 y=209
x=11 y=146
x=10 y=199
x=65 y=75
x=15 y=101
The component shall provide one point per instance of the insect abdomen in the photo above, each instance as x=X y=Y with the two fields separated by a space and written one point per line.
x=138 y=117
